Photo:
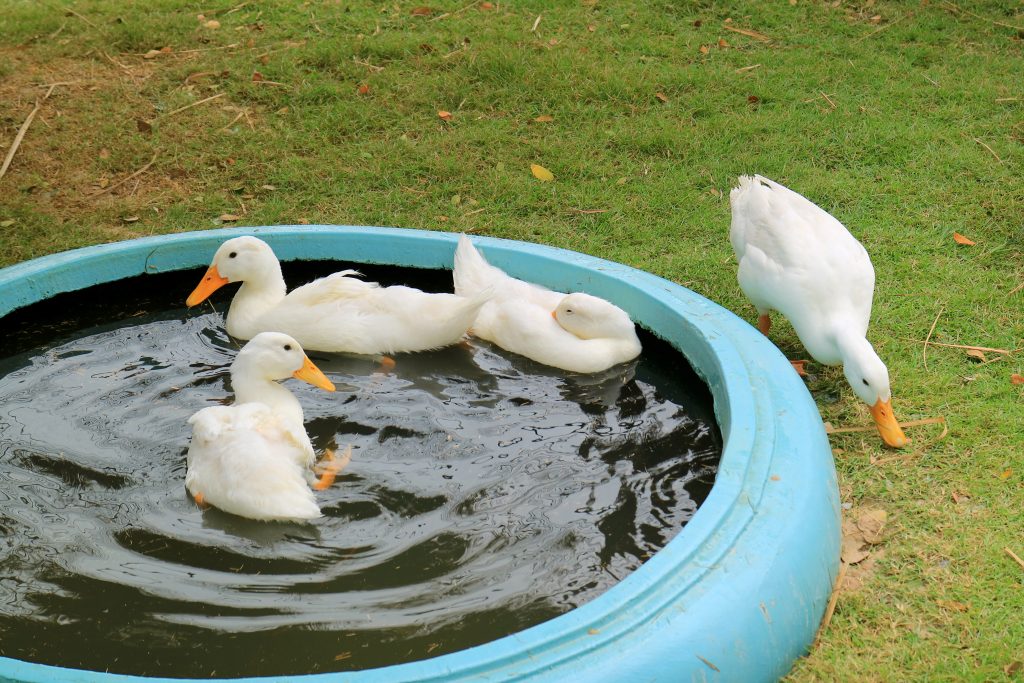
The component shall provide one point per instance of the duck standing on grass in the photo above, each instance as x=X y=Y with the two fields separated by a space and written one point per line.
x=797 y=259
x=253 y=458
x=575 y=332
x=338 y=313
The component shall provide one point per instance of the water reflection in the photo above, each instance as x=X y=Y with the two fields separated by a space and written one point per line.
x=486 y=493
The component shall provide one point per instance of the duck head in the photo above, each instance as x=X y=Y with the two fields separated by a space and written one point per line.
x=242 y=259
x=869 y=379
x=589 y=317
x=273 y=356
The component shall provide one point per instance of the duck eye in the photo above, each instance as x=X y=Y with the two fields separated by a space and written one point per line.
x=287 y=347
x=568 y=310
x=233 y=254
x=865 y=383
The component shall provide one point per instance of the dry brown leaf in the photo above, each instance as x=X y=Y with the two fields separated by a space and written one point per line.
x=152 y=54
x=104 y=153
x=1006 y=473
x=544 y=118
x=264 y=59
x=268 y=188
x=197 y=75
x=257 y=76
x=445 y=115
x=960 y=239
x=975 y=353
x=960 y=497
x=661 y=96
x=541 y=173
x=144 y=126
x=1013 y=667
x=130 y=219
x=212 y=24
x=697 y=23
x=851 y=551
x=876 y=19
x=7 y=223
x=228 y=217
x=421 y=11
x=704 y=49
x=953 y=605
x=722 y=43
x=1016 y=379
x=363 y=89
x=486 y=5
x=753 y=99
x=871 y=522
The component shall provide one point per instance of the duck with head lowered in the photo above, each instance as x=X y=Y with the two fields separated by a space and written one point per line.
x=795 y=258
x=575 y=332
x=254 y=458
x=338 y=313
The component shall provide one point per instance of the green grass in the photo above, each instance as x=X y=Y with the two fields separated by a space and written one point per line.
x=880 y=123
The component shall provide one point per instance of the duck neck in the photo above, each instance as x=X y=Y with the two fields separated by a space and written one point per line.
x=251 y=387
x=255 y=297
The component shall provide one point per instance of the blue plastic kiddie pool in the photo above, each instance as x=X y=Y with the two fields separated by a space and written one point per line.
x=737 y=595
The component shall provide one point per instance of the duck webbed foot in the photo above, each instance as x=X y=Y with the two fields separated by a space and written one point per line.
x=329 y=467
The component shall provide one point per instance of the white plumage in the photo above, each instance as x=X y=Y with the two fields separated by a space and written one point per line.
x=575 y=332
x=253 y=458
x=797 y=259
x=339 y=313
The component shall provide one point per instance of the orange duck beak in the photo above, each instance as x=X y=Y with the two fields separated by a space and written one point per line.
x=210 y=283
x=887 y=425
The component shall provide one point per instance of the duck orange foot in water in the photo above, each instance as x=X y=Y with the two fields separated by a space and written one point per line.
x=329 y=467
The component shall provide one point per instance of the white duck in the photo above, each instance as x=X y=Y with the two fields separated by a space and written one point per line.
x=337 y=313
x=575 y=332
x=797 y=259
x=253 y=458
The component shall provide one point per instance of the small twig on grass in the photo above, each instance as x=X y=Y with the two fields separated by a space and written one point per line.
x=452 y=14
x=966 y=346
x=828 y=99
x=71 y=11
x=1016 y=289
x=125 y=180
x=1007 y=99
x=57 y=32
x=747 y=32
x=1015 y=557
x=189 y=106
x=992 y=151
x=747 y=68
x=830 y=610
x=956 y=8
x=924 y=351
x=371 y=67
x=17 y=139
x=24 y=129
x=536 y=23
x=588 y=212
x=454 y=52
x=882 y=28
x=118 y=64
x=240 y=115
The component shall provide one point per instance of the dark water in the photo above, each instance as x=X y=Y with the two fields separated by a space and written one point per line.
x=486 y=494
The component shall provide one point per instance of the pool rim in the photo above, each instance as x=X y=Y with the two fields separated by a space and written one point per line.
x=776 y=461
